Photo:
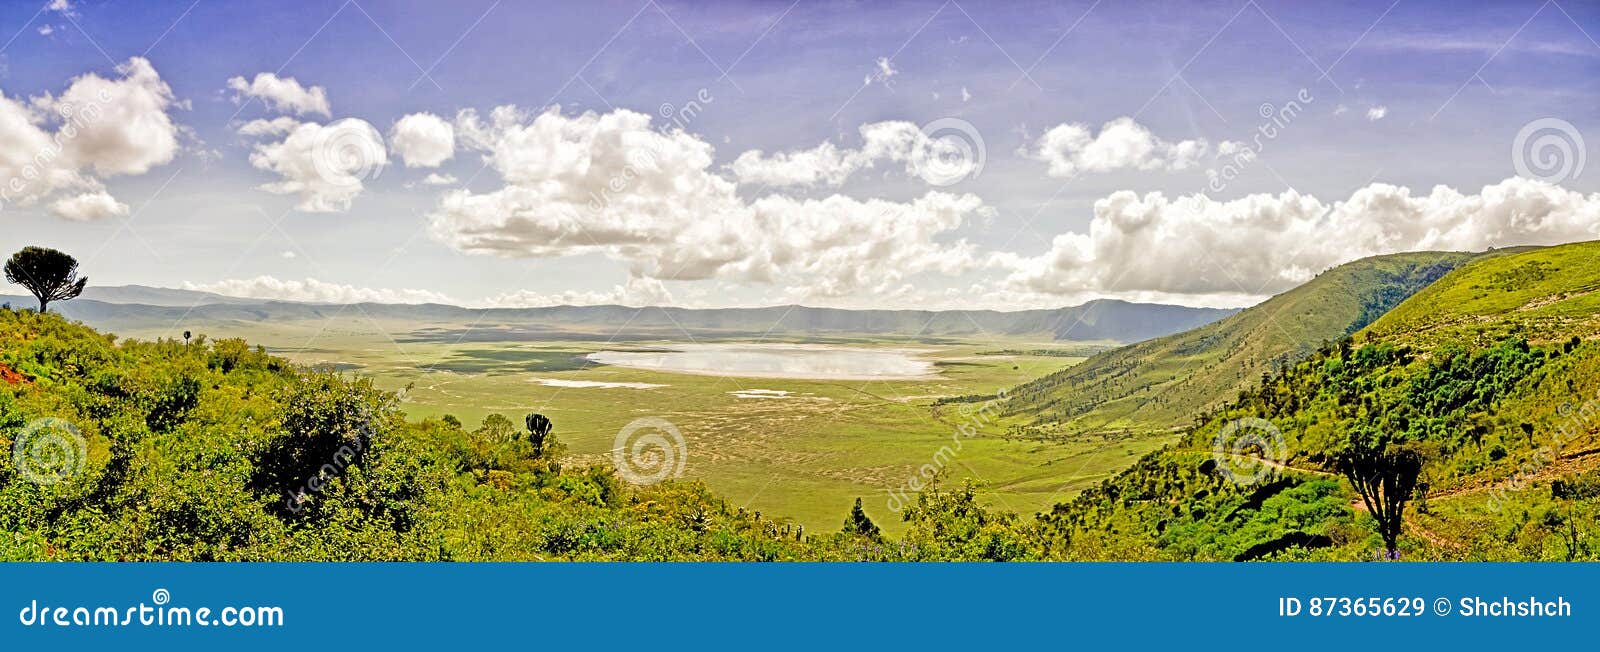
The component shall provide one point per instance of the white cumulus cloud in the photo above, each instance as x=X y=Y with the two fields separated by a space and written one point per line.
x=614 y=185
x=1071 y=149
x=88 y=206
x=98 y=127
x=282 y=94
x=830 y=165
x=1263 y=244
x=325 y=165
x=1377 y=113
x=273 y=127
x=423 y=140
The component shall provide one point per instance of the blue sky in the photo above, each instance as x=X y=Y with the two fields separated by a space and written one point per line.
x=1393 y=99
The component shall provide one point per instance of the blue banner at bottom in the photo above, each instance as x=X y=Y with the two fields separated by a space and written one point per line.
x=825 y=606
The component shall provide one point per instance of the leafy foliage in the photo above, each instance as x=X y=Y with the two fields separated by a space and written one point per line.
x=1476 y=401
x=1447 y=402
x=213 y=450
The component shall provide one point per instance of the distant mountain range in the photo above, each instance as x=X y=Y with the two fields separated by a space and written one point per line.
x=142 y=309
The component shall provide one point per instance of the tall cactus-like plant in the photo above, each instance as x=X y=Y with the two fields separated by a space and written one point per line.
x=539 y=428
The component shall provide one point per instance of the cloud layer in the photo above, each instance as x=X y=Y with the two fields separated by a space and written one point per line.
x=612 y=184
x=1263 y=244
x=312 y=290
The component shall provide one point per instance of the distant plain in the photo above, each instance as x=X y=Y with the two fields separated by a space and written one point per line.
x=797 y=449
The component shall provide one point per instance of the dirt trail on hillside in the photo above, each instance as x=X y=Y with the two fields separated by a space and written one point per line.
x=1575 y=462
x=10 y=376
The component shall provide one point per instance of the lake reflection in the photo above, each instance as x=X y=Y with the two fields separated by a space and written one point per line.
x=776 y=361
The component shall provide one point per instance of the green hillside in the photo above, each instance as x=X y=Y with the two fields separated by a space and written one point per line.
x=1163 y=383
x=213 y=450
x=1491 y=377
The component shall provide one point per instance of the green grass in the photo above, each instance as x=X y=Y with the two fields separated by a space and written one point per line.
x=802 y=459
x=1162 y=384
x=1491 y=374
x=1543 y=295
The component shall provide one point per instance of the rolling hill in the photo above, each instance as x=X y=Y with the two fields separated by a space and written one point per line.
x=1491 y=376
x=1163 y=383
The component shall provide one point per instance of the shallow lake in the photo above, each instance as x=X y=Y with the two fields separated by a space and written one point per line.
x=816 y=361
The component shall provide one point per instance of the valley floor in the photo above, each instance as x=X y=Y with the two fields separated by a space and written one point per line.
x=798 y=450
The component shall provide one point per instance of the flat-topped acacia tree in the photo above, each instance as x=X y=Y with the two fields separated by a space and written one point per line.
x=49 y=274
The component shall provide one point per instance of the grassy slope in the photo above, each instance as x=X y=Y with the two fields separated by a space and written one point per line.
x=1542 y=295
x=1163 y=383
x=1510 y=435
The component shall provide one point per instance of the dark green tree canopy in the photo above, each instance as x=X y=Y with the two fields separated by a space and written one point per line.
x=49 y=274
x=539 y=427
x=859 y=524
